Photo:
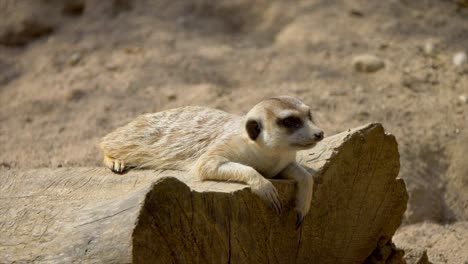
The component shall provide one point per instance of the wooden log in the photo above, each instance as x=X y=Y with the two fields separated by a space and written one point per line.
x=91 y=215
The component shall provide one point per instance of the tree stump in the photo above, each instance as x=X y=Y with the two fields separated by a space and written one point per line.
x=91 y=215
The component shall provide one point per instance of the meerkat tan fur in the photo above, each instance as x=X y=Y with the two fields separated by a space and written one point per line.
x=215 y=145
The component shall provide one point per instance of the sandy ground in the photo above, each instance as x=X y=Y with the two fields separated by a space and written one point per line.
x=71 y=71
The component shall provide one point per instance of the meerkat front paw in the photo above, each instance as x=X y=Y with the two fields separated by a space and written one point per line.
x=300 y=218
x=301 y=211
x=269 y=194
x=303 y=203
x=115 y=165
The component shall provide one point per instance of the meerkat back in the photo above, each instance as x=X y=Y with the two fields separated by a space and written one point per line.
x=171 y=139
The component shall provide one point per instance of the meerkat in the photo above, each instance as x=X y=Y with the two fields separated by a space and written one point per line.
x=215 y=145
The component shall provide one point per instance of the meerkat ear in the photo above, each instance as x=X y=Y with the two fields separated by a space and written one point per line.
x=253 y=128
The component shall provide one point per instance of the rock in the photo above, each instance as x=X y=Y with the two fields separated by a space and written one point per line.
x=90 y=215
x=367 y=63
x=459 y=59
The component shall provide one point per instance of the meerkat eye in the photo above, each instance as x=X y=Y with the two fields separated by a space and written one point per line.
x=292 y=122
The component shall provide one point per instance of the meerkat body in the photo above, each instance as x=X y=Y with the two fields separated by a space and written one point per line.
x=215 y=145
x=172 y=139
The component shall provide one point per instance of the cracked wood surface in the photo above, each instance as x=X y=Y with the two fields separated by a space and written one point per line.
x=93 y=215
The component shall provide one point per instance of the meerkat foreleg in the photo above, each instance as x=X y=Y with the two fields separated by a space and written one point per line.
x=305 y=188
x=223 y=170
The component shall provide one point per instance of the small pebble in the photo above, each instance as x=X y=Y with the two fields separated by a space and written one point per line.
x=429 y=48
x=112 y=67
x=168 y=93
x=463 y=98
x=383 y=46
x=172 y=97
x=367 y=63
x=356 y=12
x=75 y=95
x=75 y=59
x=459 y=59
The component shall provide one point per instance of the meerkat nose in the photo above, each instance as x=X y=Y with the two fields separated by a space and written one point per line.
x=318 y=136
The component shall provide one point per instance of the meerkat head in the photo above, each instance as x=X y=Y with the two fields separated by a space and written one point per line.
x=282 y=122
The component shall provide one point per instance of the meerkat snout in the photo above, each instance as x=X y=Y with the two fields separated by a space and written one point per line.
x=318 y=136
x=305 y=136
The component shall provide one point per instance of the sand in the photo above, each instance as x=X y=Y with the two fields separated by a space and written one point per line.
x=71 y=71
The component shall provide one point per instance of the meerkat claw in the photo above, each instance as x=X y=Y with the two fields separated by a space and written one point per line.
x=117 y=166
x=300 y=219
x=268 y=194
x=276 y=204
x=273 y=200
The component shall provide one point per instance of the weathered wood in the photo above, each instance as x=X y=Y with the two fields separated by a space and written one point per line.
x=93 y=215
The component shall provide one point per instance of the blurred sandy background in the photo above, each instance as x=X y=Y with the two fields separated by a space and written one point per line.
x=71 y=71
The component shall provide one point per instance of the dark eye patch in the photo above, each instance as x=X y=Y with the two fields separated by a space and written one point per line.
x=291 y=122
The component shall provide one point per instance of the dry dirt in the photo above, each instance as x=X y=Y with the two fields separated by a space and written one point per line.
x=71 y=71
